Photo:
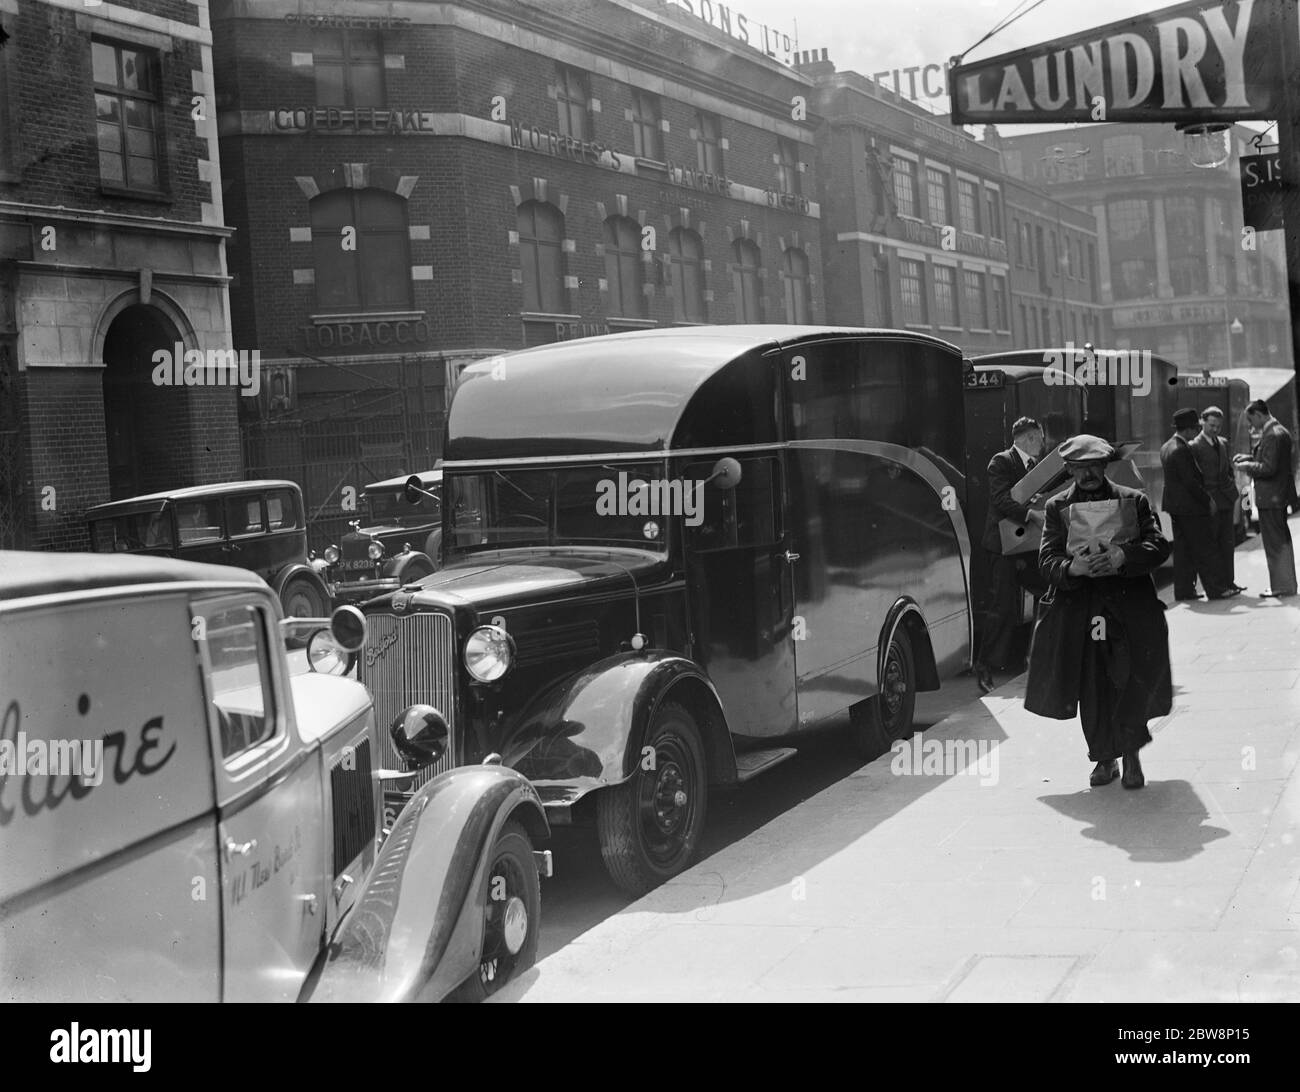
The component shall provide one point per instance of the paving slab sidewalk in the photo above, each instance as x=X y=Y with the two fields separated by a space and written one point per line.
x=1012 y=880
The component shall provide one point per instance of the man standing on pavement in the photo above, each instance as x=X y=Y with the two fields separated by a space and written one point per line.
x=1101 y=645
x=1007 y=574
x=1192 y=510
x=1274 y=491
x=1212 y=456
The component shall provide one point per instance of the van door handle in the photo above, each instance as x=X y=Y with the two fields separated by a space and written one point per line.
x=239 y=849
x=789 y=557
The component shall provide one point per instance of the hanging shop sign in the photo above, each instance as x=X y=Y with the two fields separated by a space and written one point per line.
x=1261 y=191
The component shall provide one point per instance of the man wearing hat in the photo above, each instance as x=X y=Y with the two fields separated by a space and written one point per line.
x=1215 y=461
x=1275 y=492
x=1193 y=511
x=1102 y=645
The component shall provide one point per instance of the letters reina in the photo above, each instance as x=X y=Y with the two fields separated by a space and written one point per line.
x=1120 y=68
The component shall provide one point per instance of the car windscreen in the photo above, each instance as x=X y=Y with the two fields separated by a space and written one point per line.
x=391 y=506
x=131 y=531
x=626 y=504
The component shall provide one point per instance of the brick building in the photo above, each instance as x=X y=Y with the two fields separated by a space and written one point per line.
x=1170 y=258
x=1055 y=296
x=913 y=216
x=111 y=249
x=516 y=173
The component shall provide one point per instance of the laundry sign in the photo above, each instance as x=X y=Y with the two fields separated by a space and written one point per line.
x=1194 y=62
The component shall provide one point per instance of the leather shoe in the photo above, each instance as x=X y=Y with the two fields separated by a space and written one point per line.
x=1188 y=598
x=1133 y=778
x=1104 y=773
x=985 y=680
x=1229 y=594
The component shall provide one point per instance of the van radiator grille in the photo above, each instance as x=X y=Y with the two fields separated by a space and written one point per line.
x=409 y=660
x=352 y=791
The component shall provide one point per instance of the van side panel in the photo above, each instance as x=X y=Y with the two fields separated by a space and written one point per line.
x=113 y=866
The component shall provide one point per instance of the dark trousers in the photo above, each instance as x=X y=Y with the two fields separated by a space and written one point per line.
x=1195 y=552
x=1225 y=545
x=1108 y=735
x=1009 y=577
x=1278 y=550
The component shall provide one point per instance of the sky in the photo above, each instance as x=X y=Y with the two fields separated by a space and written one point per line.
x=870 y=36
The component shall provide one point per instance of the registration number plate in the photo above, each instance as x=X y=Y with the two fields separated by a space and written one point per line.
x=353 y=566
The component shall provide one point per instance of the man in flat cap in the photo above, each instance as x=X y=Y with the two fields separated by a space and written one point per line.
x=1192 y=511
x=1101 y=645
x=1215 y=461
x=1273 y=469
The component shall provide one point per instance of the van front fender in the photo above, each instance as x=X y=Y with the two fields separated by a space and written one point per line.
x=585 y=733
x=415 y=931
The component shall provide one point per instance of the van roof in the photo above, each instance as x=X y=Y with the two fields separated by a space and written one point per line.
x=28 y=573
x=155 y=501
x=615 y=393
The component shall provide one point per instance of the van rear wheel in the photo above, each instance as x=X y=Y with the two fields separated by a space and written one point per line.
x=650 y=825
x=879 y=721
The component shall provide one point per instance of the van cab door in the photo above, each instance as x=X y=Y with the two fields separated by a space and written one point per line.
x=270 y=808
x=738 y=560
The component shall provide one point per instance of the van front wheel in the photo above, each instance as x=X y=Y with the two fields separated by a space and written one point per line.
x=650 y=825
x=879 y=721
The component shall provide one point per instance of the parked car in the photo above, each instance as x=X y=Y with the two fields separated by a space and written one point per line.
x=400 y=543
x=225 y=843
x=795 y=548
x=255 y=525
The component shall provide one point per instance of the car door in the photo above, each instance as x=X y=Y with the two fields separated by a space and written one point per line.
x=246 y=544
x=738 y=565
x=286 y=532
x=270 y=806
x=200 y=531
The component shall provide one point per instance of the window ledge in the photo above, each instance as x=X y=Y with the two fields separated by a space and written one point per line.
x=368 y=316
x=547 y=316
x=976 y=330
x=635 y=323
x=917 y=326
x=157 y=197
x=954 y=329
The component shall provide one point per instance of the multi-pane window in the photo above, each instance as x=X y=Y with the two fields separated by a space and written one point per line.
x=647 y=139
x=993 y=210
x=975 y=304
x=968 y=205
x=571 y=99
x=798 y=288
x=749 y=300
x=623 y=267
x=787 y=166
x=349 y=69
x=936 y=194
x=1001 y=320
x=686 y=256
x=708 y=143
x=1026 y=246
x=905 y=186
x=911 y=290
x=126 y=115
x=1187 y=275
x=376 y=275
x=541 y=257
x=1128 y=220
x=945 y=296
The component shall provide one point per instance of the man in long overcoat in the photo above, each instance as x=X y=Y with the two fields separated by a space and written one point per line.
x=1102 y=645
x=1275 y=491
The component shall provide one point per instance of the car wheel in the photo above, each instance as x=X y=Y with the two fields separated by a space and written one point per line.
x=512 y=908
x=649 y=826
x=879 y=721
x=302 y=599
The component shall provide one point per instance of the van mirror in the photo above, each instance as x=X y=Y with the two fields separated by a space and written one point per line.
x=726 y=473
x=348 y=628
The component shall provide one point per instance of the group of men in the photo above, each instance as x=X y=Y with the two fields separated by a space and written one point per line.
x=1116 y=676
x=1200 y=491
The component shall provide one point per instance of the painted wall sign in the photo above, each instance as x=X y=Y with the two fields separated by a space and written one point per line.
x=1195 y=61
x=304 y=119
x=358 y=22
x=531 y=138
x=365 y=335
x=692 y=179
x=1261 y=191
x=915 y=231
x=724 y=17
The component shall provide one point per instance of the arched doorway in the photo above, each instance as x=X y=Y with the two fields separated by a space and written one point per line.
x=146 y=427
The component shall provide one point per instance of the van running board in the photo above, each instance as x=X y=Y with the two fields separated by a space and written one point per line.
x=752 y=763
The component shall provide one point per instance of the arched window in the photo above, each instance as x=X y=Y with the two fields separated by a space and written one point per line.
x=623 y=268
x=686 y=253
x=367 y=268
x=798 y=298
x=749 y=301
x=541 y=255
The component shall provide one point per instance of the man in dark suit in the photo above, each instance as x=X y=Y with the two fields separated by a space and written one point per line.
x=1102 y=645
x=1215 y=461
x=1274 y=491
x=1192 y=510
x=1008 y=574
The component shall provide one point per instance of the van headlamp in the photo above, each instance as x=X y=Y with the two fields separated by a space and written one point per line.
x=489 y=653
